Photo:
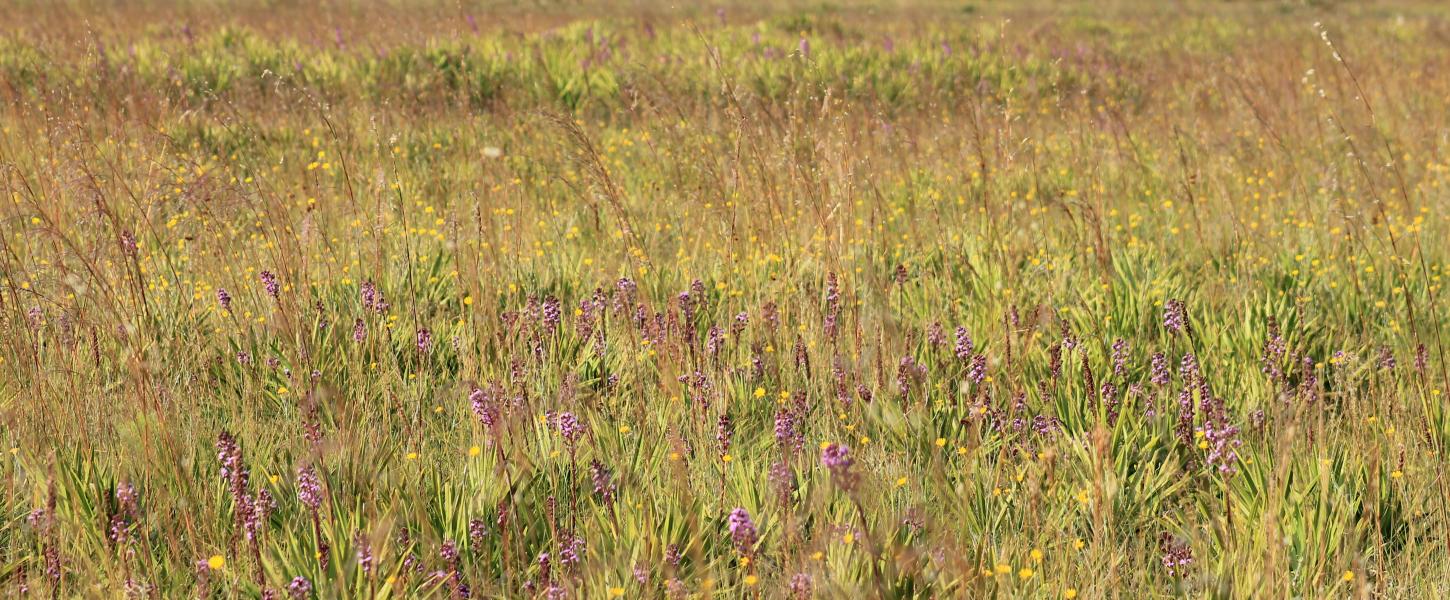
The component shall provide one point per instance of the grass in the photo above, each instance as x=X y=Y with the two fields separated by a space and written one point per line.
x=513 y=302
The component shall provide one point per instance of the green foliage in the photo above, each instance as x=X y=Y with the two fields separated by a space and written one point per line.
x=765 y=229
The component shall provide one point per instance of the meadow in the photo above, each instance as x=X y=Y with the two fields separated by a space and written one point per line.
x=542 y=300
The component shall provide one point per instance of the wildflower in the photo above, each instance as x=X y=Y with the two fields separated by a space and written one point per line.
x=782 y=481
x=551 y=313
x=309 y=488
x=833 y=305
x=837 y=459
x=224 y=299
x=724 y=431
x=714 y=339
x=737 y=326
x=908 y=371
x=800 y=586
x=1222 y=439
x=477 y=531
x=364 y=554
x=604 y=486
x=963 y=346
x=978 y=372
x=569 y=428
x=203 y=579
x=128 y=243
x=786 y=431
x=372 y=299
x=300 y=588
x=269 y=283
x=935 y=335
x=1175 y=317
x=1159 y=371
x=1386 y=358
x=770 y=314
x=742 y=531
x=675 y=589
x=1176 y=554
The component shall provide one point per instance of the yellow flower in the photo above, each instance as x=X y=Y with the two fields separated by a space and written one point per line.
x=624 y=429
x=901 y=482
x=216 y=562
x=760 y=392
x=1349 y=575
x=1036 y=555
x=941 y=442
x=848 y=538
x=1024 y=573
x=475 y=451
x=1069 y=593
x=1004 y=568
x=616 y=592
x=412 y=456
x=751 y=580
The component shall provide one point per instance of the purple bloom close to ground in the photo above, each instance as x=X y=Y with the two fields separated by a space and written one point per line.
x=742 y=531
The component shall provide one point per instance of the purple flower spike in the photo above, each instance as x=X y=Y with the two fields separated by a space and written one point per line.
x=743 y=531
x=837 y=459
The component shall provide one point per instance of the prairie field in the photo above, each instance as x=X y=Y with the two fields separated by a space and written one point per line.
x=532 y=299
